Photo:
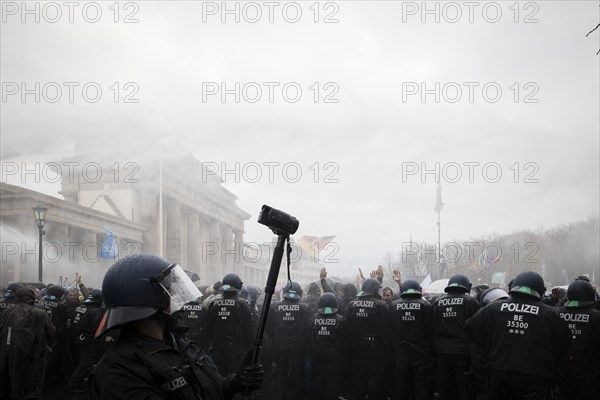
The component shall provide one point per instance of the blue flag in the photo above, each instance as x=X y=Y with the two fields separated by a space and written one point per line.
x=109 y=247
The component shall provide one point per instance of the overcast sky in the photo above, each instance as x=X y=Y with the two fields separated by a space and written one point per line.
x=374 y=62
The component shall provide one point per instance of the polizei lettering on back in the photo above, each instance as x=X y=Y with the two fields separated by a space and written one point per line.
x=225 y=302
x=288 y=307
x=575 y=317
x=363 y=303
x=450 y=301
x=408 y=306
x=325 y=321
x=194 y=307
x=520 y=308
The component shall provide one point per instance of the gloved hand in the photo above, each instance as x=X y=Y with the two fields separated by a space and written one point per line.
x=249 y=377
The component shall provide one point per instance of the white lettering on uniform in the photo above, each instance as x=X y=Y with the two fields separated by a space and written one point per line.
x=288 y=307
x=408 y=306
x=324 y=321
x=451 y=301
x=575 y=317
x=520 y=308
x=225 y=302
x=363 y=303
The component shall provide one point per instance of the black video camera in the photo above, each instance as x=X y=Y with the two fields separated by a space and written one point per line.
x=278 y=221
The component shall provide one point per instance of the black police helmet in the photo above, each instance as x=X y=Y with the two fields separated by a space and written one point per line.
x=410 y=288
x=369 y=287
x=95 y=296
x=490 y=295
x=55 y=292
x=292 y=290
x=529 y=283
x=130 y=294
x=328 y=303
x=254 y=291
x=12 y=289
x=459 y=283
x=580 y=294
x=245 y=293
x=231 y=283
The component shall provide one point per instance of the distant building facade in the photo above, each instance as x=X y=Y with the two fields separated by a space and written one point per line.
x=202 y=228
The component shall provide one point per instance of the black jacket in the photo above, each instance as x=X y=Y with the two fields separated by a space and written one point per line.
x=584 y=324
x=520 y=335
x=141 y=367
x=327 y=332
x=367 y=320
x=24 y=333
x=450 y=313
x=411 y=323
x=228 y=319
x=287 y=323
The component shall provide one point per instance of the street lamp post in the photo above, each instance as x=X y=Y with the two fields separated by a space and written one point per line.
x=39 y=213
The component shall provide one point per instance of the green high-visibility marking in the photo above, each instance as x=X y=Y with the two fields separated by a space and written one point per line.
x=454 y=284
x=328 y=310
x=411 y=291
x=573 y=303
x=524 y=289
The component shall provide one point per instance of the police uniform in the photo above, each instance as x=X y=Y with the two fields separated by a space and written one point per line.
x=192 y=317
x=85 y=323
x=59 y=314
x=366 y=324
x=581 y=379
x=521 y=338
x=6 y=304
x=326 y=346
x=229 y=331
x=450 y=312
x=411 y=330
x=286 y=331
x=141 y=367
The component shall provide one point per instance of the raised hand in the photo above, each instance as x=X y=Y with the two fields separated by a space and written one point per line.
x=323 y=273
x=397 y=276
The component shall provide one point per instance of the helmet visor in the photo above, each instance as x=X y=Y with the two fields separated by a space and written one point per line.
x=176 y=282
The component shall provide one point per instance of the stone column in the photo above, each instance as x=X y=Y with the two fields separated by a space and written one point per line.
x=214 y=264
x=147 y=202
x=58 y=255
x=228 y=256
x=194 y=249
x=238 y=243
x=173 y=228
x=201 y=244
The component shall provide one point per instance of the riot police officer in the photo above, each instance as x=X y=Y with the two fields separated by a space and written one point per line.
x=582 y=369
x=450 y=312
x=522 y=338
x=326 y=345
x=191 y=317
x=59 y=314
x=411 y=330
x=288 y=320
x=9 y=297
x=85 y=323
x=366 y=324
x=141 y=293
x=229 y=327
